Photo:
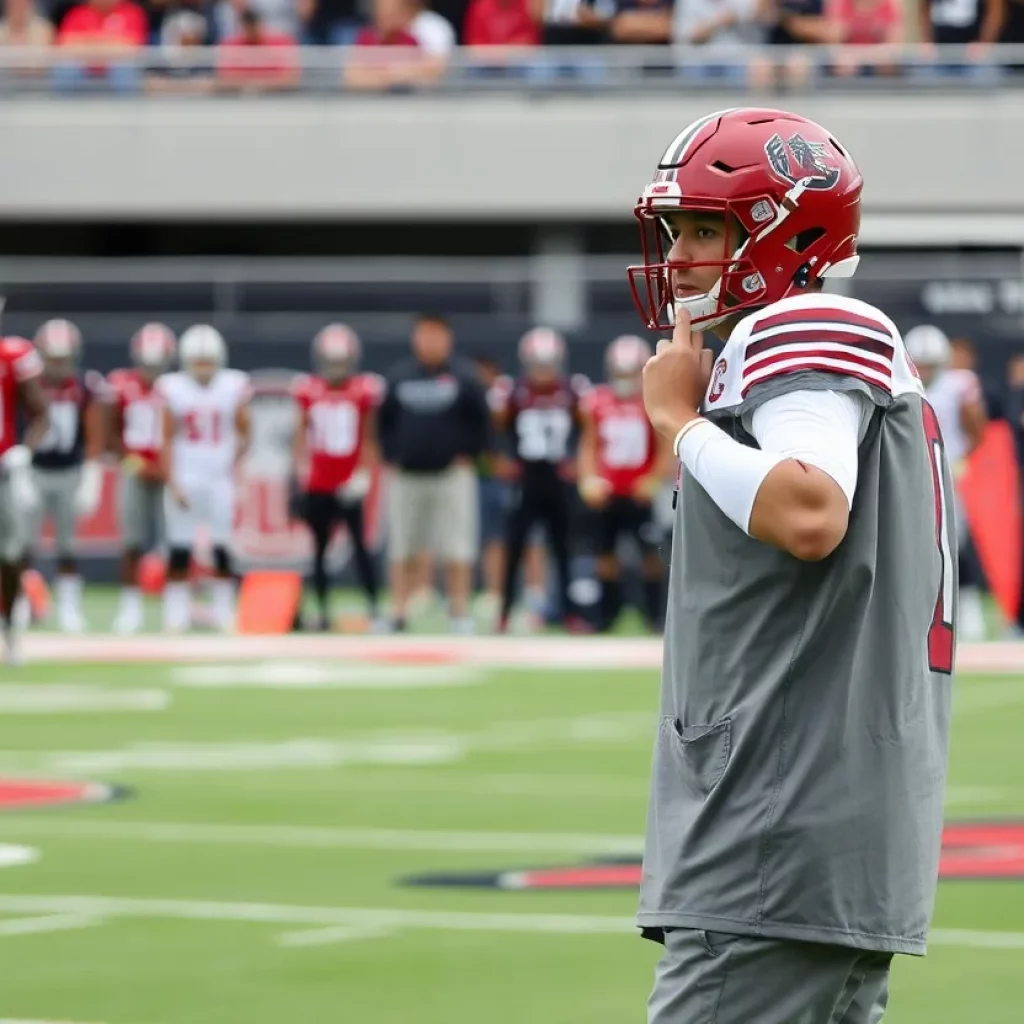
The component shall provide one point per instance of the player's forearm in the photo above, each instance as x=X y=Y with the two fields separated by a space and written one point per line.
x=800 y=509
x=36 y=430
x=95 y=432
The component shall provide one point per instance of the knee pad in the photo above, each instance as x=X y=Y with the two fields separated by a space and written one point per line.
x=221 y=560
x=179 y=560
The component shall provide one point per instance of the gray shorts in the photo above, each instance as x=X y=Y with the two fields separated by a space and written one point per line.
x=436 y=512
x=56 y=489
x=141 y=511
x=709 y=978
x=14 y=529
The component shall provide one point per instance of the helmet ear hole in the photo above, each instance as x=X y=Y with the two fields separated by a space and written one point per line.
x=805 y=239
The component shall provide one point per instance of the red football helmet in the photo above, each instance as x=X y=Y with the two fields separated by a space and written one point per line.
x=336 y=352
x=153 y=347
x=59 y=343
x=542 y=353
x=624 y=363
x=791 y=186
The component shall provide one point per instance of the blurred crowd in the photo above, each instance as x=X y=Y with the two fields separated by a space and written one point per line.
x=257 y=41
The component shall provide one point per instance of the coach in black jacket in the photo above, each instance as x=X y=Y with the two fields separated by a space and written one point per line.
x=433 y=424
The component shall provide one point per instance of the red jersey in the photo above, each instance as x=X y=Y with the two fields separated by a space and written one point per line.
x=123 y=23
x=500 y=23
x=626 y=444
x=142 y=413
x=19 y=361
x=337 y=415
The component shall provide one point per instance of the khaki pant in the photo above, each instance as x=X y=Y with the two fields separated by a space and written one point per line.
x=435 y=512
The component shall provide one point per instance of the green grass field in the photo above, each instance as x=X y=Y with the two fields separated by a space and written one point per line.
x=254 y=874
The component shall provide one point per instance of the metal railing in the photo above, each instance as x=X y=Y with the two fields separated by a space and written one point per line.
x=201 y=71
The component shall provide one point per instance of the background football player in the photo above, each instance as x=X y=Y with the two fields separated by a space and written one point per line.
x=21 y=372
x=540 y=412
x=622 y=465
x=335 y=440
x=66 y=468
x=206 y=431
x=136 y=435
x=956 y=396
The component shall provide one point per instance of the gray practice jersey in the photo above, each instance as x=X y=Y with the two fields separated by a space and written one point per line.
x=800 y=761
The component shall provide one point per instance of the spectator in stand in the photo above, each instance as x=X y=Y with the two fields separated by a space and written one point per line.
x=23 y=25
x=95 y=32
x=426 y=39
x=181 y=33
x=641 y=22
x=866 y=23
x=797 y=23
x=976 y=24
x=331 y=22
x=491 y=23
x=277 y=17
x=258 y=59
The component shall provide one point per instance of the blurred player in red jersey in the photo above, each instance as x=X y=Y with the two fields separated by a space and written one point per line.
x=540 y=412
x=66 y=468
x=336 y=442
x=136 y=434
x=20 y=373
x=622 y=464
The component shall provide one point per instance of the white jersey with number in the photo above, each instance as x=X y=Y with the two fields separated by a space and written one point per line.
x=204 y=441
x=948 y=393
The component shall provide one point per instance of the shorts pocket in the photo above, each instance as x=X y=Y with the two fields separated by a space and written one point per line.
x=717 y=944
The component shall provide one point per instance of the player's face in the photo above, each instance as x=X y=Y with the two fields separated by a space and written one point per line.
x=627 y=385
x=335 y=370
x=698 y=238
x=927 y=372
x=58 y=370
x=543 y=375
x=203 y=370
x=432 y=342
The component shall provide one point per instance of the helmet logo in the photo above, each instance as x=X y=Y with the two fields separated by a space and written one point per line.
x=797 y=160
x=752 y=283
x=762 y=210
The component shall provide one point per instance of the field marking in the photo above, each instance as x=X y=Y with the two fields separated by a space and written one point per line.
x=965 y=938
x=323 y=675
x=15 y=856
x=329 y=936
x=546 y=652
x=965 y=796
x=46 y=923
x=392 y=919
x=312 y=837
x=389 y=918
x=64 y=698
x=393 y=749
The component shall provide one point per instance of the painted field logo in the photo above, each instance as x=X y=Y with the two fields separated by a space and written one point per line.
x=970 y=850
x=23 y=794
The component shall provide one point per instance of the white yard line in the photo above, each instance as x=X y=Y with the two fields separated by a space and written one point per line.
x=43 y=924
x=311 y=837
x=352 y=917
x=329 y=936
x=375 y=919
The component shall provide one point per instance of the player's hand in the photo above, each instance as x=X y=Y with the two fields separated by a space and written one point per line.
x=646 y=488
x=133 y=465
x=676 y=378
x=178 y=495
x=594 y=490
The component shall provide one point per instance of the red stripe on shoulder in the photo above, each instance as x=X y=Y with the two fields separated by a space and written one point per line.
x=847 y=357
x=816 y=335
x=811 y=364
x=817 y=315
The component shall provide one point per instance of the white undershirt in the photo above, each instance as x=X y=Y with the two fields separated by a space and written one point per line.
x=821 y=428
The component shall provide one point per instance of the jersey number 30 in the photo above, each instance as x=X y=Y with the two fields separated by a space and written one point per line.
x=941 y=633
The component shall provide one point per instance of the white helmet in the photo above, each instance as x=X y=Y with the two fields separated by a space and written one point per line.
x=927 y=345
x=202 y=344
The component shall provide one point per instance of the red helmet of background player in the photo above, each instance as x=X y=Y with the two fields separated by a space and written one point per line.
x=60 y=344
x=542 y=354
x=153 y=347
x=791 y=187
x=336 y=352
x=624 y=362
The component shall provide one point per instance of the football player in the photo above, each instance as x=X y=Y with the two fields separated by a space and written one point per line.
x=336 y=442
x=955 y=395
x=206 y=435
x=66 y=467
x=136 y=435
x=21 y=372
x=540 y=412
x=798 y=781
x=622 y=465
